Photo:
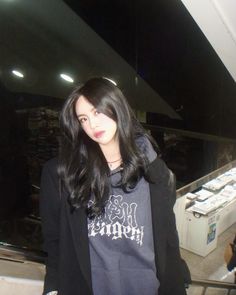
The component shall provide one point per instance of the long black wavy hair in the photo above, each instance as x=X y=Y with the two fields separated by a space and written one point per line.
x=82 y=168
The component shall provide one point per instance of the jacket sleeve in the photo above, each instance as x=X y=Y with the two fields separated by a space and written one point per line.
x=168 y=260
x=184 y=267
x=50 y=213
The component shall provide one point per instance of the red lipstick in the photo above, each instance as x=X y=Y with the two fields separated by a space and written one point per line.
x=99 y=134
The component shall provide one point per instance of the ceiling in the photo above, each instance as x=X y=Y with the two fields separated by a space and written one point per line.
x=45 y=38
x=165 y=62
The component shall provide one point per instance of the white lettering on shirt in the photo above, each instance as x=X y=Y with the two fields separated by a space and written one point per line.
x=119 y=221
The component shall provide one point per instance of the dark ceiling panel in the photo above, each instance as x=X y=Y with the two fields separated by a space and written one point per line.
x=166 y=47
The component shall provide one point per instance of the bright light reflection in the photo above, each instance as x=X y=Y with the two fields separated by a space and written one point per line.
x=112 y=81
x=18 y=74
x=67 y=78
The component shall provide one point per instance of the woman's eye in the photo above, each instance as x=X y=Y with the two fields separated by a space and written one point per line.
x=96 y=112
x=82 y=120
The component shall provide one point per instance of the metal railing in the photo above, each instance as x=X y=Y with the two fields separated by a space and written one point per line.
x=21 y=254
x=213 y=284
x=25 y=255
x=200 y=181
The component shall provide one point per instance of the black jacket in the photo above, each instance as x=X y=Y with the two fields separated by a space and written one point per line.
x=66 y=236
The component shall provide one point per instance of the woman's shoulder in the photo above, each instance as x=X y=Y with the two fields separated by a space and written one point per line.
x=50 y=168
x=163 y=179
x=158 y=170
x=145 y=146
x=51 y=164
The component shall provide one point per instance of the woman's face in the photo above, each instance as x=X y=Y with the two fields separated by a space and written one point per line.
x=98 y=126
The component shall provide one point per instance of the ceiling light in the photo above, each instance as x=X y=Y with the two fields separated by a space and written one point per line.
x=18 y=73
x=112 y=81
x=67 y=78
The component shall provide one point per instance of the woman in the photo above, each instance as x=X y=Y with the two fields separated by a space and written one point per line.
x=230 y=257
x=107 y=203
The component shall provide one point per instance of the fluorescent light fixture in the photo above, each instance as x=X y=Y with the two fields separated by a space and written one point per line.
x=112 y=81
x=17 y=73
x=67 y=78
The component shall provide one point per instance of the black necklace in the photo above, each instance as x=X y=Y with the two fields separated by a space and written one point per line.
x=112 y=162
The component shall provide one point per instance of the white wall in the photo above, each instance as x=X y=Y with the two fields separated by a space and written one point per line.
x=217 y=20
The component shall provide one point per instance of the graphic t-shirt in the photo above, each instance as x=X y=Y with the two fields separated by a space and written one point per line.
x=121 y=240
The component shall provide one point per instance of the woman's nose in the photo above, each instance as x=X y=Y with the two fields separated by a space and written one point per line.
x=93 y=122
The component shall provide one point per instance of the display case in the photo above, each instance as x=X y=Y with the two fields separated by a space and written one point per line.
x=205 y=209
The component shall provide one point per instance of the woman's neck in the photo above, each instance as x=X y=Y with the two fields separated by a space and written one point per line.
x=111 y=152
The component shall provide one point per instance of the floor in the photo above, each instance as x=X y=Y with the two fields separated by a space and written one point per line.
x=21 y=278
x=211 y=267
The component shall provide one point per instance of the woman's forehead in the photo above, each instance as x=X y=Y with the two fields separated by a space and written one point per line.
x=83 y=106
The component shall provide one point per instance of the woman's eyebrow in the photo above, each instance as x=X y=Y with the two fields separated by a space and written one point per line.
x=80 y=115
x=91 y=110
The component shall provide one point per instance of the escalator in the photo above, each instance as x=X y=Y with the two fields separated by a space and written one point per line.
x=21 y=270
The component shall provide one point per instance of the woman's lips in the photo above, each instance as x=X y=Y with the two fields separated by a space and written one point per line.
x=99 y=134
